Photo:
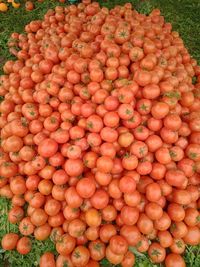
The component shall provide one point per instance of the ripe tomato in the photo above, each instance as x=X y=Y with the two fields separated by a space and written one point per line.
x=80 y=256
x=39 y=217
x=15 y=215
x=47 y=260
x=174 y=259
x=47 y=148
x=118 y=244
x=24 y=245
x=9 y=241
x=156 y=253
x=42 y=232
x=65 y=244
x=97 y=250
x=26 y=227
x=112 y=257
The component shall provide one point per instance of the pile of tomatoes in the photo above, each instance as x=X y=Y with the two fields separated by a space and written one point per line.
x=100 y=128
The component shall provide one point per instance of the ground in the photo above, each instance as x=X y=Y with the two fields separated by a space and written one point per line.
x=184 y=16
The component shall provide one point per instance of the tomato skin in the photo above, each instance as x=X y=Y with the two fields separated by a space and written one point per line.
x=112 y=257
x=85 y=187
x=129 y=260
x=131 y=234
x=47 y=259
x=15 y=214
x=193 y=236
x=106 y=232
x=26 y=227
x=24 y=245
x=118 y=245
x=191 y=217
x=97 y=250
x=83 y=259
x=9 y=241
x=39 y=217
x=176 y=212
x=47 y=148
x=156 y=253
x=65 y=244
x=63 y=260
x=100 y=199
x=42 y=232
x=172 y=259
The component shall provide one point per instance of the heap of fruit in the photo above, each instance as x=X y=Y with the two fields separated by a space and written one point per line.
x=29 y=5
x=100 y=128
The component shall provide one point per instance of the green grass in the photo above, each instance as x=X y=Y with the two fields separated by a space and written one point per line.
x=184 y=16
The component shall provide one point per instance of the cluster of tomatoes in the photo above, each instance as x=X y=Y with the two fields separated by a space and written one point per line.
x=100 y=128
x=29 y=5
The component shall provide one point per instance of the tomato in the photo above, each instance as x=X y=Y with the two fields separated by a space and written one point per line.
x=192 y=237
x=42 y=232
x=47 y=148
x=176 y=212
x=63 y=260
x=8 y=169
x=132 y=199
x=182 y=197
x=72 y=198
x=163 y=223
x=37 y=200
x=45 y=187
x=56 y=220
x=24 y=245
x=112 y=257
x=144 y=224
x=178 y=246
x=131 y=234
x=86 y=187
x=32 y=182
x=156 y=253
x=118 y=245
x=76 y=228
x=127 y=184
x=174 y=259
x=92 y=233
x=80 y=256
x=73 y=167
x=153 y=192
x=15 y=214
x=97 y=250
x=92 y=263
x=9 y=241
x=100 y=199
x=192 y=217
x=47 y=259
x=109 y=213
x=93 y=217
x=143 y=244
x=106 y=232
x=178 y=229
x=65 y=244
x=29 y=6
x=175 y=178
x=165 y=239
x=26 y=227
x=39 y=217
x=52 y=207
